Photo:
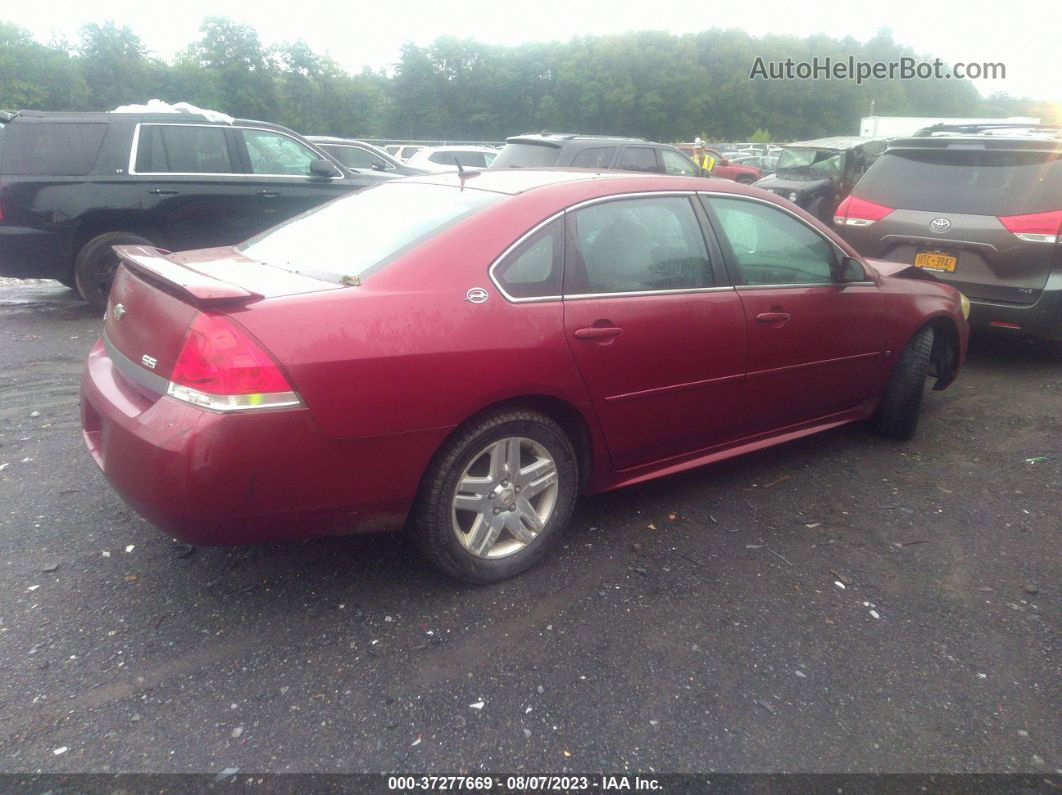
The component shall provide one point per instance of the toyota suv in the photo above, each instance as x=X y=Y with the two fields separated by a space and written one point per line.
x=978 y=207
x=73 y=185
x=541 y=150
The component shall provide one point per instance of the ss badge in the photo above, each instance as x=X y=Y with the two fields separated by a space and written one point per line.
x=149 y=361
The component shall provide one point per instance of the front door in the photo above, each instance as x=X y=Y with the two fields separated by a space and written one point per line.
x=660 y=345
x=815 y=336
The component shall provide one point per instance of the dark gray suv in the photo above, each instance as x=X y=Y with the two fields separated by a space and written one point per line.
x=978 y=207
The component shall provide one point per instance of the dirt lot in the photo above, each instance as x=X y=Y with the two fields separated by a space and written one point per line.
x=697 y=623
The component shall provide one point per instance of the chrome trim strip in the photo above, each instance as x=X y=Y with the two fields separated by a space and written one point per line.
x=792 y=368
x=133 y=372
x=667 y=390
x=805 y=284
x=136 y=146
x=643 y=293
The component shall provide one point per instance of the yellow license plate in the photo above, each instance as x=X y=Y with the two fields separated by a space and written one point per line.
x=936 y=261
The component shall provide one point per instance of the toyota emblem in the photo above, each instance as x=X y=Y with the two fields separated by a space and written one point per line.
x=939 y=225
x=477 y=295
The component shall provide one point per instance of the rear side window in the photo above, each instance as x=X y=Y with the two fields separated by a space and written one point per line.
x=361 y=232
x=638 y=158
x=356 y=157
x=526 y=156
x=66 y=149
x=974 y=181
x=598 y=157
x=534 y=269
x=182 y=149
x=637 y=245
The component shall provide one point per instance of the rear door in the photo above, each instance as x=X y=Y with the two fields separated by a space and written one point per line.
x=962 y=214
x=814 y=342
x=192 y=185
x=658 y=336
x=279 y=177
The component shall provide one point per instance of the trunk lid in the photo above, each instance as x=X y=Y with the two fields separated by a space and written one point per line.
x=156 y=295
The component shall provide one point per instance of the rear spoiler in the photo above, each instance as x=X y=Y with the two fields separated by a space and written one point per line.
x=160 y=265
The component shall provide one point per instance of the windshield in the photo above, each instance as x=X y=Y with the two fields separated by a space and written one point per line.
x=979 y=182
x=813 y=161
x=526 y=156
x=360 y=233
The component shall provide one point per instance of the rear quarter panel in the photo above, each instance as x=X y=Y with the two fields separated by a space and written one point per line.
x=406 y=352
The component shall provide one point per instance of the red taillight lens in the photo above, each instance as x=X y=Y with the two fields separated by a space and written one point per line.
x=854 y=211
x=1035 y=227
x=221 y=367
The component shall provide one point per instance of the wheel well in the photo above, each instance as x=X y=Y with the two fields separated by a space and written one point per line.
x=562 y=413
x=944 y=358
x=101 y=226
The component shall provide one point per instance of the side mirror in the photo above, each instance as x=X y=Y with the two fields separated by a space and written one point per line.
x=323 y=168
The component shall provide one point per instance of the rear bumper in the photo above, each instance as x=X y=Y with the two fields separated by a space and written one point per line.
x=219 y=479
x=1042 y=319
x=27 y=253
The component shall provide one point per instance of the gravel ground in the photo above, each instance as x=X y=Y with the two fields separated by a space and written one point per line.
x=838 y=604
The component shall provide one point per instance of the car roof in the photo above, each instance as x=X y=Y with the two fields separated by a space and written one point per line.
x=154 y=118
x=559 y=139
x=458 y=148
x=839 y=142
x=997 y=142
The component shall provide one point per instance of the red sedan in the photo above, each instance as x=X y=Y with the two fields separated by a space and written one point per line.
x=462 y=355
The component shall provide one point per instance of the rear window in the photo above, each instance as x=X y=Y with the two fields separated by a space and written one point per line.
x=61 y=149
x=359 y=234
x=974 y=181
x=526 y=156
x=472 y=159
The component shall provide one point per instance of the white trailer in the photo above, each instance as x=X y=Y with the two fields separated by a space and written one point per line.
x=899 y=126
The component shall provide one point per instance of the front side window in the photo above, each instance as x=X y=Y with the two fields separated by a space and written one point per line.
x=636 y=245
x=276 y=154
x=770 y=246
x=534 y=268
x=674 y=163
x=597 y=157
x=638 y=158
x=183 y=149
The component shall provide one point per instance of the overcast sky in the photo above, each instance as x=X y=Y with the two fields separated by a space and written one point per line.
x=1023 y=34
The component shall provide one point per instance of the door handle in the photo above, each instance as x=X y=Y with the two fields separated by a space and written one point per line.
x=773 y=317
x=269 y=194
x=597 y=332
x=163 y=192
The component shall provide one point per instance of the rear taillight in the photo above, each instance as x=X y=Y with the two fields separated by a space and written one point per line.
x=854 y=211
x=222 y=368
x=1035 y=227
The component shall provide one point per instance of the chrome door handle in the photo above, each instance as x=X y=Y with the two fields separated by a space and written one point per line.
x=773 y=317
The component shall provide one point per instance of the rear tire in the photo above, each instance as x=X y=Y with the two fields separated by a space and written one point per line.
x=546 y=471
x=96 y=264
x=897 y=414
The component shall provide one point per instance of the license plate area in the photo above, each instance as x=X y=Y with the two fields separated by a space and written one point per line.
x=936 y=260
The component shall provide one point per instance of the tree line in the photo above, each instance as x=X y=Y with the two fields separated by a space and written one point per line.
x=653 y=84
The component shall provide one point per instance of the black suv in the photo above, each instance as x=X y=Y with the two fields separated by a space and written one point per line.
x=72 y=185
x=978 y=207
x=817 y=175
x=542 y=150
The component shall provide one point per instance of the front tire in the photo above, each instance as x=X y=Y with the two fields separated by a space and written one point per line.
x=96 y=264
x=496 y=496
x=898 y=412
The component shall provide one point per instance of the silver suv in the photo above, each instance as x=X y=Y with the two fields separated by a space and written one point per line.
x=978 y=207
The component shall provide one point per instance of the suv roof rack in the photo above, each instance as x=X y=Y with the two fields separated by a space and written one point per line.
x=1007 y=128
